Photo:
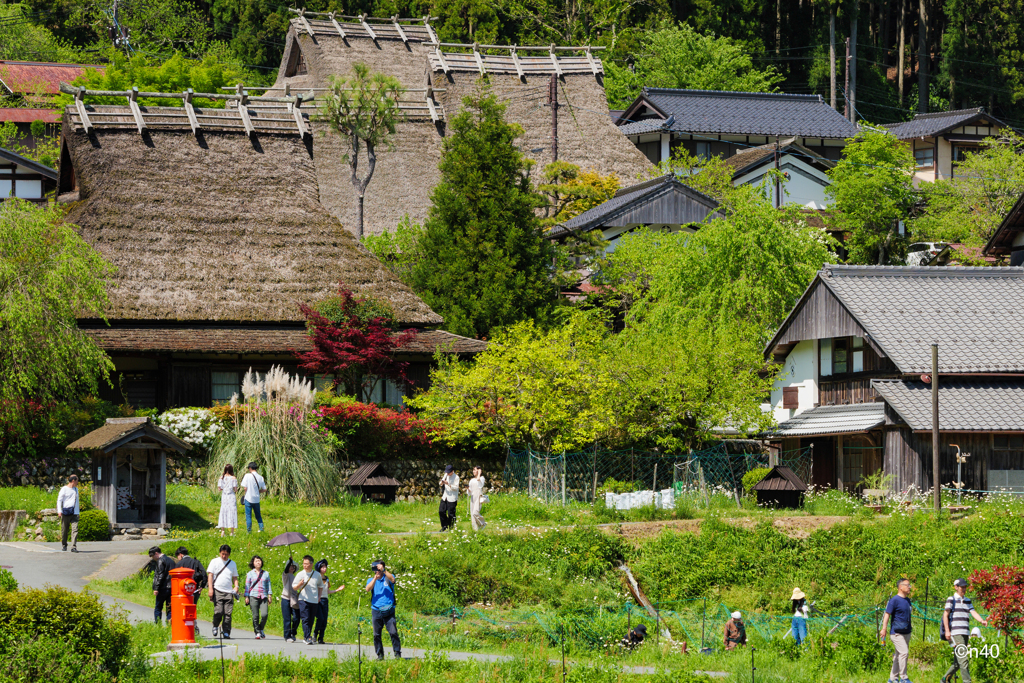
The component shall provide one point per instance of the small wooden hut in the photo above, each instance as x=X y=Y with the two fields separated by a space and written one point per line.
x=129 y=470
x=373 y=483
x=781 y=488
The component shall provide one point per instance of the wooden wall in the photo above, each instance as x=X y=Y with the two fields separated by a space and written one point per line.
x=820 y=316
x=908 y=456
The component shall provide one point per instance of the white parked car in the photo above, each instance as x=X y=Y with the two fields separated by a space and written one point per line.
x=920 y=253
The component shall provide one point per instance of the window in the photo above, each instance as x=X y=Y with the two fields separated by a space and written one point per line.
x=703 y=150
x=960 y=152
x=826 y=357
x=1011 y=442
x=791 y=397
x=925 y=158
x=224 y=385
x=858 y=354
x=840 y=364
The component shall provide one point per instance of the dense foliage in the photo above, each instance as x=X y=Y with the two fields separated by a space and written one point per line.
x=1001 y=592
x=93 y=525
x=484 y=259
x=49 y=277
x=370 y=432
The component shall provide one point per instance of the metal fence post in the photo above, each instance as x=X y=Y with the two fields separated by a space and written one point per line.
x=529 y=472
x=563 y=478
x=595 y=473
x=924 y=620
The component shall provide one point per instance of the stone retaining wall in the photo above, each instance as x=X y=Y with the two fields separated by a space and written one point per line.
x=418 y=477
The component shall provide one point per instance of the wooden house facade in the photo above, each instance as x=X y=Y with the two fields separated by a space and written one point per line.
x=24 y=178
x=851 y=358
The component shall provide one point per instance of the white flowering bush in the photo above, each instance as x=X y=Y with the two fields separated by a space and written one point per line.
x=197 y=426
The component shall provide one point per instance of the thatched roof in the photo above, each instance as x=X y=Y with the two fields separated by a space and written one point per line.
x=248 y=339
x=220 y=228
x=407 y=171
x=119 y=431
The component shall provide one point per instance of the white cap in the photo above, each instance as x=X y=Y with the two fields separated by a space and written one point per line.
x=976 y=633
x=737 y=615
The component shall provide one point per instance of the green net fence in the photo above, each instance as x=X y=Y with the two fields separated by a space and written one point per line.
x=583 y=475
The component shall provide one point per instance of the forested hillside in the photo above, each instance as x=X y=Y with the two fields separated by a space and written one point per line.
x=966 y=53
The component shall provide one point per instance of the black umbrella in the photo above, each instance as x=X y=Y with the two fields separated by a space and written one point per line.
x=287 y=538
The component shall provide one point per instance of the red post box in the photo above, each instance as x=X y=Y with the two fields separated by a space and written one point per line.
x=183 y=609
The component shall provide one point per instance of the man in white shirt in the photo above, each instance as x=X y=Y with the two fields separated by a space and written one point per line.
x=252 y=486
x=308 y=585
x=67 y=512
x=449 y=498
x=222 y=575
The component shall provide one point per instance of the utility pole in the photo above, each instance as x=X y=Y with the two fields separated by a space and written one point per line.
x=903 y=48
x=847 y=112
x=853 y=65
x=936 y=490
x=553 y=103
x=778 y=186
x=922 y=59
x=832 y=58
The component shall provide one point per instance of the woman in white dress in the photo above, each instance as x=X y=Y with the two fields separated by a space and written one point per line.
x=228 y=486
x=476 y=499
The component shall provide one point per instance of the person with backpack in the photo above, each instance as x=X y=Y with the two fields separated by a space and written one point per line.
x=252 y=486
x=198 y=575
x=898 y=612
x=956 y=628
x=258 y=595
x=308 y=585
x=223 y=589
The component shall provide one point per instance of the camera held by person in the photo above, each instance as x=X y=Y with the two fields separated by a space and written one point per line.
x=635 y=637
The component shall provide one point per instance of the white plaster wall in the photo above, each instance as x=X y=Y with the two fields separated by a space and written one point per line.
x=800 y=189
x=800 y=370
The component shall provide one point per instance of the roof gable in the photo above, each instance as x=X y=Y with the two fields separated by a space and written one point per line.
x=119 y=431
x=973 y=313
x=1001 y=242
x=35 y=166
x=663 y=200
x=754 y=157
x=780 y=478
x=938 y=123
x=371 y=474
x=745 y=113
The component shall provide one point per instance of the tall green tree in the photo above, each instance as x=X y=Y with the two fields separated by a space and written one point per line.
x=680 y=57
x=970 y=206
x=872 y=192
x=485 y=261
x=364 y=109
x=22 y=40
x=49 y=277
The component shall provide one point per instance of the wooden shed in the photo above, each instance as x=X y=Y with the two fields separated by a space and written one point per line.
x=781 y=488
x=373 y=483
x=129 y=470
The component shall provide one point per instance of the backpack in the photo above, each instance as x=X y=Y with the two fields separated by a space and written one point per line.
x=199 y=575
x=943 y=635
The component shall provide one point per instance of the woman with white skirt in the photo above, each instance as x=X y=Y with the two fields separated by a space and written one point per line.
x=476 y=499
x=228 y=486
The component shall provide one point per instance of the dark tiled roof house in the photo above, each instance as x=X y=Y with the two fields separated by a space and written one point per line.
x=854 y=352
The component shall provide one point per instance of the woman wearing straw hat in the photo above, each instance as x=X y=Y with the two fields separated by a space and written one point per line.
x=800 y=614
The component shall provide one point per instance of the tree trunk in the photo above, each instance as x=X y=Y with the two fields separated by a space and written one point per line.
x=903 y=48
x=853 y=65
x=832 y=58
x=360 y=185
x=922 y=58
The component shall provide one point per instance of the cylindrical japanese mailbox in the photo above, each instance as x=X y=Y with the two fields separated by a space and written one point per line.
x=183 y=609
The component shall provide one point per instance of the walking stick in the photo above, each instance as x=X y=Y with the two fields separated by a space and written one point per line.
x=359 y=642
x=562 y=638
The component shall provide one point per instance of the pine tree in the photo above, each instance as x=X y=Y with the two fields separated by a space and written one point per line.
x=485 y=261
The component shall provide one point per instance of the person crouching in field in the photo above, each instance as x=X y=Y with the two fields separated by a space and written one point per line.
x=735 y=631
x=635 y=637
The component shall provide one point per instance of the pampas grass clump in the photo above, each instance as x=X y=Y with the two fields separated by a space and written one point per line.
x=276 y=431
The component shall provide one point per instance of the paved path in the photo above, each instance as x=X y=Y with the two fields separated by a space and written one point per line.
x=36 y=565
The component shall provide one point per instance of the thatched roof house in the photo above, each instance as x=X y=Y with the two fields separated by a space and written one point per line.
x=319 y=46
x=217 y=234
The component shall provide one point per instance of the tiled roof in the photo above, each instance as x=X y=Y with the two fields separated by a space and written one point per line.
x=974 y=314
x=248 y=340
x=41 y=78
x=747 y=113
x=643 y=127
x=24 y=161
x=750 y=157
x=851 y=419
x=371 y=474
x=690 y=206
x=20 y=115
x=781 y=478
x=1001 y=242
x=937 y=123
x=965 y=403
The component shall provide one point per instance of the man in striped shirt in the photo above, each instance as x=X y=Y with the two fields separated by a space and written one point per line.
x=956 y=618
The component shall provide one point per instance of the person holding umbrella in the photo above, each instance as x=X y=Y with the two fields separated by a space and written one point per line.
x=289 y=601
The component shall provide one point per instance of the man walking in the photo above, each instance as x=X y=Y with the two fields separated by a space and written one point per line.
x=252 y=486
x=956 y=618
x=308 y=586
x=67 y=512
x=223 y=588
x=899 y=612
x=161 y=583
x=382 y=608
x=198 y=574
x=449 y=497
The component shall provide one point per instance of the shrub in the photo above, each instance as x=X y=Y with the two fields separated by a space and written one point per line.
x=78 y=622
x=371 y=432
x=45 y=659
x=93 y=525
x=197 y=426
x=7 y=581
x=753 y=477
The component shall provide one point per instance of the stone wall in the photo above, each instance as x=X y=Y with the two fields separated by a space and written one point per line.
x=418 y=477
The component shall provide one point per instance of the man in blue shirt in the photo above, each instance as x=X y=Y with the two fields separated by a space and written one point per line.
x=382 y=608
x=899 y=611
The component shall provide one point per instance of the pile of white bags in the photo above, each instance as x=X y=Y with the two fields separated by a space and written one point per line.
x=664 y=499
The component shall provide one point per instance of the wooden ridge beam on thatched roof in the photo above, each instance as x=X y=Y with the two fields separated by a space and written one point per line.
x=274 y=114
x=362 y=26
x=513 y=63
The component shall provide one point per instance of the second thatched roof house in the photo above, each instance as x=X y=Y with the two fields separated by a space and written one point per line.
x=213 y=220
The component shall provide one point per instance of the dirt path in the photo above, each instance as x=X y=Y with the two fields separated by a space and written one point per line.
x=794 y=527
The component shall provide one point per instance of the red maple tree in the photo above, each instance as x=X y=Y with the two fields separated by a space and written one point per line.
x=354 y=341
x=1001 y=592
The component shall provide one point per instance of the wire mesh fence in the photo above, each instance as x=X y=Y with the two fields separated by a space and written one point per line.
x=581 y=476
